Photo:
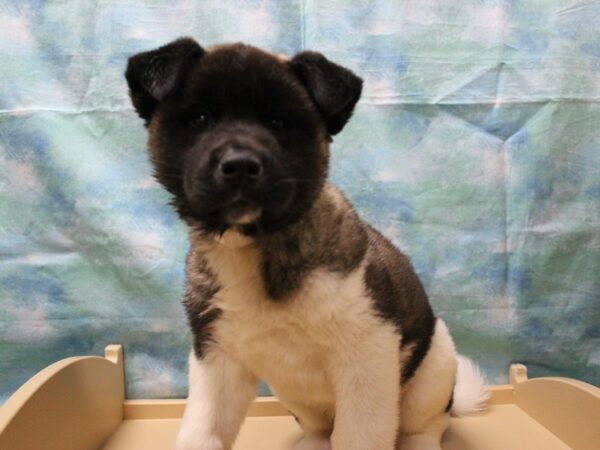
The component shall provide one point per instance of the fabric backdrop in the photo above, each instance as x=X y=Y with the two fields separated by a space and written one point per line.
x=475 y=148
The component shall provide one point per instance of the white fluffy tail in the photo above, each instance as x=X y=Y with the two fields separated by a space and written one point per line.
x=470 y=393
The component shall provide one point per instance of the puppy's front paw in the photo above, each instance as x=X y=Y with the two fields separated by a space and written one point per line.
x=187 y=442
x=313 y=443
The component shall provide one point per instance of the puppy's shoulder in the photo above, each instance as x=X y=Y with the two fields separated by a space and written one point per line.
x=330 y=236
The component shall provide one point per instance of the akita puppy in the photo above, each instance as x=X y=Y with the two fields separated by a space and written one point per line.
x=285 y=282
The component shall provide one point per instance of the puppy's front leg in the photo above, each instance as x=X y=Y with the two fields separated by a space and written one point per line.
x=367 y=393
x=220 y=391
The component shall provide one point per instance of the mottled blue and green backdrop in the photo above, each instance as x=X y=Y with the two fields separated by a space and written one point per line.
x=475 y=147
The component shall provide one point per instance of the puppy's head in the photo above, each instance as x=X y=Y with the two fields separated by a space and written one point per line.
x=239 y=136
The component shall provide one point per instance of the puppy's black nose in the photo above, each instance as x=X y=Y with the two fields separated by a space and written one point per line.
x=240 y=166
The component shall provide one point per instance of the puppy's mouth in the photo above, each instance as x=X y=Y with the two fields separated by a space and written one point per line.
x=242 y=212
x=251 y=211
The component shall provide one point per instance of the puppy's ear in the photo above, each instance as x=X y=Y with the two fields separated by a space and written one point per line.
x=334 y=89
x=152 y=75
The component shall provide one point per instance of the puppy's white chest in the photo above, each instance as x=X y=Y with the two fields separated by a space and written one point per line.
x=291 y=358
x=290 y=343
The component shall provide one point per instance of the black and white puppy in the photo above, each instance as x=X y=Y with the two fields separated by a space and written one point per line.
x=284 y=281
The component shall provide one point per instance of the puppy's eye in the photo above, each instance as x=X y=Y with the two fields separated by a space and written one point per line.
x=276 y=124
x=200 y=120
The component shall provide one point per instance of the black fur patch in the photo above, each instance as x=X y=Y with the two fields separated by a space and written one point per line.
x=201 y=287
x=330 y=236
x=399 y=298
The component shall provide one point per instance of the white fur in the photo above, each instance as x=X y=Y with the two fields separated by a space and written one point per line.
x=324 y=353
x=427 y=393
x=312 y=442
x=470 y=394
x=220 y=392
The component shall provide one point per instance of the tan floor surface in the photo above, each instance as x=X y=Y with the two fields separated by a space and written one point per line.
x=486 y=432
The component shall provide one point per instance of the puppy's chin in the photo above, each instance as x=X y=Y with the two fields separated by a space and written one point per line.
x=273 y=212
x=243 y=216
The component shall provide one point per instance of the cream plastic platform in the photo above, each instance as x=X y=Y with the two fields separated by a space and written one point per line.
x=78 y=404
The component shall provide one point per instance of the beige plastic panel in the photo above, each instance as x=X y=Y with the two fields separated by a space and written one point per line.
x=503 y=427
x=570 y=408
x=77 y=404
x=74 y=404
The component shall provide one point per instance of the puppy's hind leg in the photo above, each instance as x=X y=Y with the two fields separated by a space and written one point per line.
x=316 y=423
x=429 y=437
x=427 y=394
x=314 y=442
x=419 y=442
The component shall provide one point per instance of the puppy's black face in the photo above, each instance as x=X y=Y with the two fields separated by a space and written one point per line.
x=240 y=142
x=237 y=135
